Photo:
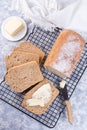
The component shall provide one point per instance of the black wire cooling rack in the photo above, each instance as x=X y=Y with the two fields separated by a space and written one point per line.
x=44 y=40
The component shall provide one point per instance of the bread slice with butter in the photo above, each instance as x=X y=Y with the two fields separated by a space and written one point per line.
x=38 y=99
x=22 y=77
x=26 y=46
x=19 y=57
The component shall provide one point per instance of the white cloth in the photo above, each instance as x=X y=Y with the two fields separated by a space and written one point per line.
x=52 y=13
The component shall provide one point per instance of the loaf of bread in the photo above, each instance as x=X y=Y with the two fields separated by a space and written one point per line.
x=30 y=48
x=38 y=109
x=65 y=53
x=19 y=57
x=21 y=77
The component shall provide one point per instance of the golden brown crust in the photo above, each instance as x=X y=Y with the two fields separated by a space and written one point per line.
x=37 y=109
x=23 y=76
x=61 y=40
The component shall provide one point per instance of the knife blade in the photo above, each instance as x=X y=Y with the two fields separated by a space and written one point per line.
x=63 y=91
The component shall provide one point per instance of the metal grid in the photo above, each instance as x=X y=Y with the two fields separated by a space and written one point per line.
x=45 y=40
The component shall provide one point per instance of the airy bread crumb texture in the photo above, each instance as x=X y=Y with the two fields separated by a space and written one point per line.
x=18 y=57
x=23 y=76
x=26 y=46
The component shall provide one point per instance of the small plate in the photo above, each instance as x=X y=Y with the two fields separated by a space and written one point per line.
x=19 y=36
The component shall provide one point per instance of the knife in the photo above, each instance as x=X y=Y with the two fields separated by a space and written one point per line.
x=63 y=92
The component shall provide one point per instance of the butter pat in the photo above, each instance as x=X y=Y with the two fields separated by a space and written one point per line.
x=13 y=26
x=35 y=102
x=41 y=96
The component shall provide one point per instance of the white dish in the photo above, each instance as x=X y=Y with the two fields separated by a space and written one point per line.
x=19 y=36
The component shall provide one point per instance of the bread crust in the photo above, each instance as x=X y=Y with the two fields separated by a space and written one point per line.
x=19 y=57
x=22 y=77
x=26 y=46
x=38 y=109
x=54 y=53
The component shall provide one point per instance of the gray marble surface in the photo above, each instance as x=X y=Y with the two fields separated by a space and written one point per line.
x=12 y=119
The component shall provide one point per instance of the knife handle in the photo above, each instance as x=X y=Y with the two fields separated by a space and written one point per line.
x=69 y=111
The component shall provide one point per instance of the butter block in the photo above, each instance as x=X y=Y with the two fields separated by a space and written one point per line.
x=13 y=26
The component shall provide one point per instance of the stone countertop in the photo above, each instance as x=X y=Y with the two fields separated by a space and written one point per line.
x=12 y=119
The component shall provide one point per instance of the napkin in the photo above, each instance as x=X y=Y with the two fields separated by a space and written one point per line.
x=49 y=14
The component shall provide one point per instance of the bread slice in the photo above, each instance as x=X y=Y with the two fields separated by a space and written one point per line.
x=23 y=76
x=65 y=53
x=26 y=46
x=38 y=109
x=19 y=57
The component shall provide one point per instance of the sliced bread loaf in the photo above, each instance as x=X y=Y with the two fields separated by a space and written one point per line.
x=23 y=76
x=30 y=48
x=38 y=109
x=19 y=57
